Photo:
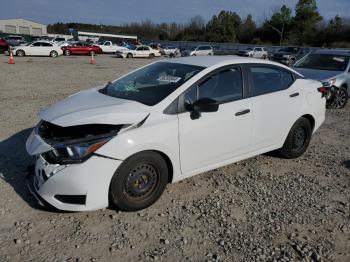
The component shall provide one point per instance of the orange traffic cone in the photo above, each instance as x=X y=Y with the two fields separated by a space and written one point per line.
x=92 y=60
x=12 y=60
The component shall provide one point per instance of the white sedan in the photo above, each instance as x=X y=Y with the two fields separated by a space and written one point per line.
x=124 y=142
x=139 y=51
x=39 y=48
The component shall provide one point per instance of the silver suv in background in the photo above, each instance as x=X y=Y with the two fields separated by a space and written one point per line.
x=15 y=40
x=332 y=68
x=199 y=50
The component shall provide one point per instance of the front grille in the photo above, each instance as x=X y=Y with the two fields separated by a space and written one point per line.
x=72 y=199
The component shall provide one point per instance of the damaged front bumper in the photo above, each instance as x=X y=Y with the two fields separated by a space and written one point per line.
x=80 y=186
x=76 y=187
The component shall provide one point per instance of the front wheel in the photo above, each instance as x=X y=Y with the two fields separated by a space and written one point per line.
x=298 y=139
x=67 y=52
x=92 y=52
x=53 y=54
x=339 y=99
x=139 y=181
x=20 y=53
x=129 y=55
x=151 y=55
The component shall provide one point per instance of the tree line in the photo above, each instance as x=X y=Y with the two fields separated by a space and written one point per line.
x=306 y=27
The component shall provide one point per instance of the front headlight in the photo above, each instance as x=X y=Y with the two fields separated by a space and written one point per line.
x=329 y=83
x=74 y=153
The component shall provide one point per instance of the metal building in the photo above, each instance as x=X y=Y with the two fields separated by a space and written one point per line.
x=22 y=26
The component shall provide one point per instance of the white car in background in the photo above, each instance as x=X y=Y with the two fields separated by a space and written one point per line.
x=122 y=143
x=109 y=47
x=138 y=51
x=199 y=50
x=171 y=51
x=38 y=48
x=256 y=52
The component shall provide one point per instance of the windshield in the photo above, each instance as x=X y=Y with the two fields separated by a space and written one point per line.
x=324 y=62
x=151 y=84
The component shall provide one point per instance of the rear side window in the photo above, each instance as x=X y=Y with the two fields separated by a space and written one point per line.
x=46 y=44
x=266 y=80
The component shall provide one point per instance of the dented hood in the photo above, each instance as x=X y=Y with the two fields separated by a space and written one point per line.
x=92 y=107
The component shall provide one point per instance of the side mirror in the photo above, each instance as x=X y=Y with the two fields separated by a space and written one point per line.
x=204 y=105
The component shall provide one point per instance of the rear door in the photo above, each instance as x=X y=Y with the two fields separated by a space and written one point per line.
x=46 y=48
x=276 y=103
x=215 y=138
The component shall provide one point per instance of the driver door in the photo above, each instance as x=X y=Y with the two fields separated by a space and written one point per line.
x=218 y=137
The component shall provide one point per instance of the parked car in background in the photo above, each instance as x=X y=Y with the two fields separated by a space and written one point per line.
x=256 y=52
x=199 y=51
x=58 y=40
x=285 y=55
x=15 y=40
x=332 y=68
x=38 y=48
x=121 y=144
x=81 y=48
x=4 y=46
x=139 y=51
x=171 y=51
x=110 y=47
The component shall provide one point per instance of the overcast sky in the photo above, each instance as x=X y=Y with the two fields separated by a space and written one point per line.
x=120 y=11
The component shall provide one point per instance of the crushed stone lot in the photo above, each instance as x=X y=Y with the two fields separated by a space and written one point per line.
x=262 y=209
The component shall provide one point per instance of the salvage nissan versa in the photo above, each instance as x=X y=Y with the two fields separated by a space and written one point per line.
x=122 y=143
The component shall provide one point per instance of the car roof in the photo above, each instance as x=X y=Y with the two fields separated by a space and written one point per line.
x=333 y=52
x=207 y=61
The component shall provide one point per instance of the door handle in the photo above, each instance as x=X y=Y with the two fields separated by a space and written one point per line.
x=294 y=95
x=246 y=111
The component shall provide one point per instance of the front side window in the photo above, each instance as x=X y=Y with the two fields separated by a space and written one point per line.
x=46 y=44
x=266 y=80
x=151 y=84
x=224 y=86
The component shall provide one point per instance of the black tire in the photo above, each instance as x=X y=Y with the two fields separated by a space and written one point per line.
x=139 y=181
x=67 y=52
x=129 y=55
x=20 y=52
x=92 y=52
x=339 y=99
x=151 y=55
x=53 y=53
x=298 y=139
x=292 y=61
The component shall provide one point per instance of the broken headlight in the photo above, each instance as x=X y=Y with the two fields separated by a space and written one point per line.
x=74 y=153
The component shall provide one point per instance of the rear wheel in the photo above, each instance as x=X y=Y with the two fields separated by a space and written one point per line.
x=139 y=181
x=151 y=55
x=298 y=139
x=53 y=53
x=20 y=53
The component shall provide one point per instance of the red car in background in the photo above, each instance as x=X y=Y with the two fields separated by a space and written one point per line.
x=81 y=49
x=4 y=46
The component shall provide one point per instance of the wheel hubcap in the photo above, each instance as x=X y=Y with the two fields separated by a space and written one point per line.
x=141 y=182
x=299 y=138
x=339 y=99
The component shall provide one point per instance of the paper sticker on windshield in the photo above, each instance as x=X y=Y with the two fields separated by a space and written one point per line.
x=339 y=59
x=169 y=79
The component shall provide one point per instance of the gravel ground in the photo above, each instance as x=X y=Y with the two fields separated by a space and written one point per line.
x=262 y=209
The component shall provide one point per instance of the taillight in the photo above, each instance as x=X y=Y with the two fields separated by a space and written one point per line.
x=323 y=90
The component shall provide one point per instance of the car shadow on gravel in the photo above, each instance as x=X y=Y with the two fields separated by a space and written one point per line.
x=15 y=164
x=346 y=163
